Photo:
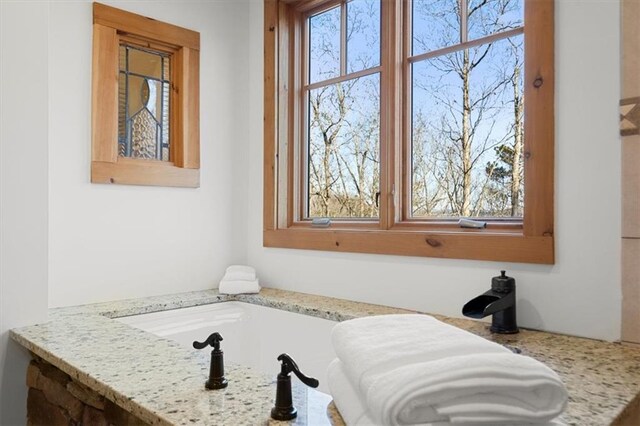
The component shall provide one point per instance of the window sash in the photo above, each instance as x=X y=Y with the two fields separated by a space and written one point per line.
x=408 y=221
x=405 y=219
x=298 y=203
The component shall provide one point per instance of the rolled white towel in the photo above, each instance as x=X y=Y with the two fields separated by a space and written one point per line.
x=239 y=287
x=409 y=369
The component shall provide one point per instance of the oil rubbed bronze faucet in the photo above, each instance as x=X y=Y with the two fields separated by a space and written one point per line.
x=500 y=302
x=216 y=370
x=284 y=409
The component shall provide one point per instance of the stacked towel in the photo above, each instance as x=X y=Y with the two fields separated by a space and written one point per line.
x=414 y=369
x=239 y=279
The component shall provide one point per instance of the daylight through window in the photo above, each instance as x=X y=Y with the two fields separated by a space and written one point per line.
x=393 y=119
x=467 y=108
x=343 y=110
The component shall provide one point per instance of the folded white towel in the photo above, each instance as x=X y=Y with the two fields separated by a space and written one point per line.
x=239 y=287
x=353 y=410
x=239 y=276
x=345 y=396
x=379 y=343
x=241 y=269
x=484 y=388
x=416 y=369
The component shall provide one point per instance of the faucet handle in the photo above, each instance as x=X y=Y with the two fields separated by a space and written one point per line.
x=503 y=283
x=213 y=340
x=290 y=366
x=284 y=409
x=216 y=370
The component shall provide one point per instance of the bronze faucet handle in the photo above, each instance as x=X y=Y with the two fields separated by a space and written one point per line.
x=216 y=370
x=213 y=340
x=290 y=366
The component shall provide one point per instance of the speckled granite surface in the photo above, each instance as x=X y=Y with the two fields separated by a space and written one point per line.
x=162 y=383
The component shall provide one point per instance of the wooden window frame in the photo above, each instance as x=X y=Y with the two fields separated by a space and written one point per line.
x=110 y=27
x=531 y=241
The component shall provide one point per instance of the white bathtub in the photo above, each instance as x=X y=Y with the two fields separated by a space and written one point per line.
x=253 y=335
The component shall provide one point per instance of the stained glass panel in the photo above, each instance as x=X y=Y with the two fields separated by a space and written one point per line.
x=144 y=135
x=165 y=121
x=143 y=62
x=122 y=57
x=143 y=104
x=122 y=116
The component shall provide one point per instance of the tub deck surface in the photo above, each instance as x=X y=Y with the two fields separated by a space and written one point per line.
x=162 y=383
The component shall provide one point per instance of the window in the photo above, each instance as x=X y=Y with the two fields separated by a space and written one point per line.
x=145 y=109
x=342 y=131
x=396 y=118
x=467 y=107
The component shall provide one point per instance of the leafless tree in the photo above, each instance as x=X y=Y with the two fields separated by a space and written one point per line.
x=466 y=147
x=465 y=96
x=344 y=128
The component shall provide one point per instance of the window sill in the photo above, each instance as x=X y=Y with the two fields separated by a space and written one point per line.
x=492 y=246
x=144 y=172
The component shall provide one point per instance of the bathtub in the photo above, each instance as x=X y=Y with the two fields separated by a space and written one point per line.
x=253 y=335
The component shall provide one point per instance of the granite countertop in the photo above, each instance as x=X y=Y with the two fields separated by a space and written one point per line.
x=162 y=383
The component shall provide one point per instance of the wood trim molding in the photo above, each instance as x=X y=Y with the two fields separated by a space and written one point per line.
x=131 y=23
x=110 y=26
x=539 y=123
x=104 y=103
x=186 y=108
x=271 y=56
x=144 y=172
x=496 y=247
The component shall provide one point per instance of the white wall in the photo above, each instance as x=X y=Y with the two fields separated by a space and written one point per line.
x=580 y=294
x=113 y=241
x=23 y=191
x=65 y=241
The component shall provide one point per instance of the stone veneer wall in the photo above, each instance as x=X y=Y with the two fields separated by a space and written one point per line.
x=55 y=399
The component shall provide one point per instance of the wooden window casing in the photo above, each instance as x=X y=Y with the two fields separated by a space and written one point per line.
x=112 y=26
x=528 y=241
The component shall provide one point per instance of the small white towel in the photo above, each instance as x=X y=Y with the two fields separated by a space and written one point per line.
x=236 y=275
x=239 y=287
x=242 y=269
x=240 y=273
x=410 y=369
